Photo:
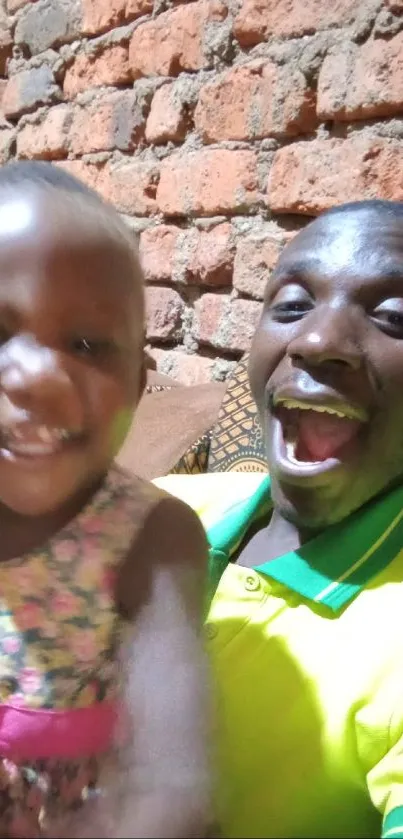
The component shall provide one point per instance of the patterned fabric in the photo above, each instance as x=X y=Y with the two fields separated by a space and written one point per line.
x=33 y=796
x=236 y=441
x=157 y=388
x=195 y=459
x=59 y=640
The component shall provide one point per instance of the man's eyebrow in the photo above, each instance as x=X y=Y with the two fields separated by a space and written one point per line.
x=302 y=268
x=307 y=269
x=391 y=273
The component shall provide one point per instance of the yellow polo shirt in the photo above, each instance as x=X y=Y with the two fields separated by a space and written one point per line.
x=307 y=652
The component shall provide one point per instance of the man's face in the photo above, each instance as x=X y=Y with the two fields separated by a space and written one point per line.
x=326 y=366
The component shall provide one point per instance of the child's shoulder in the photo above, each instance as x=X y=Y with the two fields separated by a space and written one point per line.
x=150 y=503
x=168 y=534
x=137 y=491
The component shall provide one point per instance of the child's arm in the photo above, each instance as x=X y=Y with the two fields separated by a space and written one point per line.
x=379 y=727
x=166 y=775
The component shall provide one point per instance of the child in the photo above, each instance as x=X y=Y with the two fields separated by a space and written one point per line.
x=305 y=626
x=103 y=716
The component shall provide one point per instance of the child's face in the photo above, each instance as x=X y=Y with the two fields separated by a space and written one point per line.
x=71 y=326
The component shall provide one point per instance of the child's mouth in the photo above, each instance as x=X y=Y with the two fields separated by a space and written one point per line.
x=30 y=440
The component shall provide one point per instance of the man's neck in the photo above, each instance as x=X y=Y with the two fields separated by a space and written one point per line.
x=275 y=539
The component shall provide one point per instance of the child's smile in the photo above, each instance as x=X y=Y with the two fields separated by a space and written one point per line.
x=32 y=441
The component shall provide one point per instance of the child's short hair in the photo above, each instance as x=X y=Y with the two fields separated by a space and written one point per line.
x=42 y=173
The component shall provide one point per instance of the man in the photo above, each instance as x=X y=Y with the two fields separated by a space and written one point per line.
x=305 y=628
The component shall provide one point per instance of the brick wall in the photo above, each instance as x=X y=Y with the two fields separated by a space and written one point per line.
x=216 y=127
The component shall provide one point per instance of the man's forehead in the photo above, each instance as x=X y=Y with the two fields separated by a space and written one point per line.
x=358 y=239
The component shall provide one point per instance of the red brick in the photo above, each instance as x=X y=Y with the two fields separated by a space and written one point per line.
x=311 y=177
x=168 y=118
x=189 y=369
x=48 y=139
x=225 y=323
x=192 y=369
x=192 y=256
x=130 y=185
x=362 y=82
x=113 y=120
x=27 y=90
x=135 y=8
x=254 y=261
x=174 y=40
x=208 y=182
x=164 y=308
x=90 y=173
x=101 y=15
x=259 y=19
x=212 y=257
x=107 y=67
x=158 y=252
x=209 y=313
x=253 y=101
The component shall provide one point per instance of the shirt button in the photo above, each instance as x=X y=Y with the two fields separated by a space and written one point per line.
x=210 y=631
x=252 y=582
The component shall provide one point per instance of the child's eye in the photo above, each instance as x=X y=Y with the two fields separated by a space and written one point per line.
x=91 y=347
x=5 y=335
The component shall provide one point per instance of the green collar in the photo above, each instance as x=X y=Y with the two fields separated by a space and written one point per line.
x=331 y=568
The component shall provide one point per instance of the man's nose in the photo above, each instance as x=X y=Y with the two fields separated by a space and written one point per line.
x=328 y=338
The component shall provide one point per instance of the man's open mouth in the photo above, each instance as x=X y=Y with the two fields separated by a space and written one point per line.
x=315 y=433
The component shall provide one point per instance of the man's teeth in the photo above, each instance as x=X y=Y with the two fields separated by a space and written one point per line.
x=290 y=447
x=292 y=404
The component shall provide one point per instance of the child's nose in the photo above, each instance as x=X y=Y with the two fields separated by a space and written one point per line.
x=33 y=379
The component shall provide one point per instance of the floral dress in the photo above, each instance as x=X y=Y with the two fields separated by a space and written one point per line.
x=59 y=672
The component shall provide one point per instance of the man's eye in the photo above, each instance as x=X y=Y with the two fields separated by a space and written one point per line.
x=395 y=319
x=389 y=320
x=290 y=310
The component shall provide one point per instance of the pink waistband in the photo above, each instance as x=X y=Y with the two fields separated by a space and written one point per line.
x=35 y=733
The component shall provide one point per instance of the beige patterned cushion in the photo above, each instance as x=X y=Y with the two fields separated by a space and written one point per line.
x=236 y=439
